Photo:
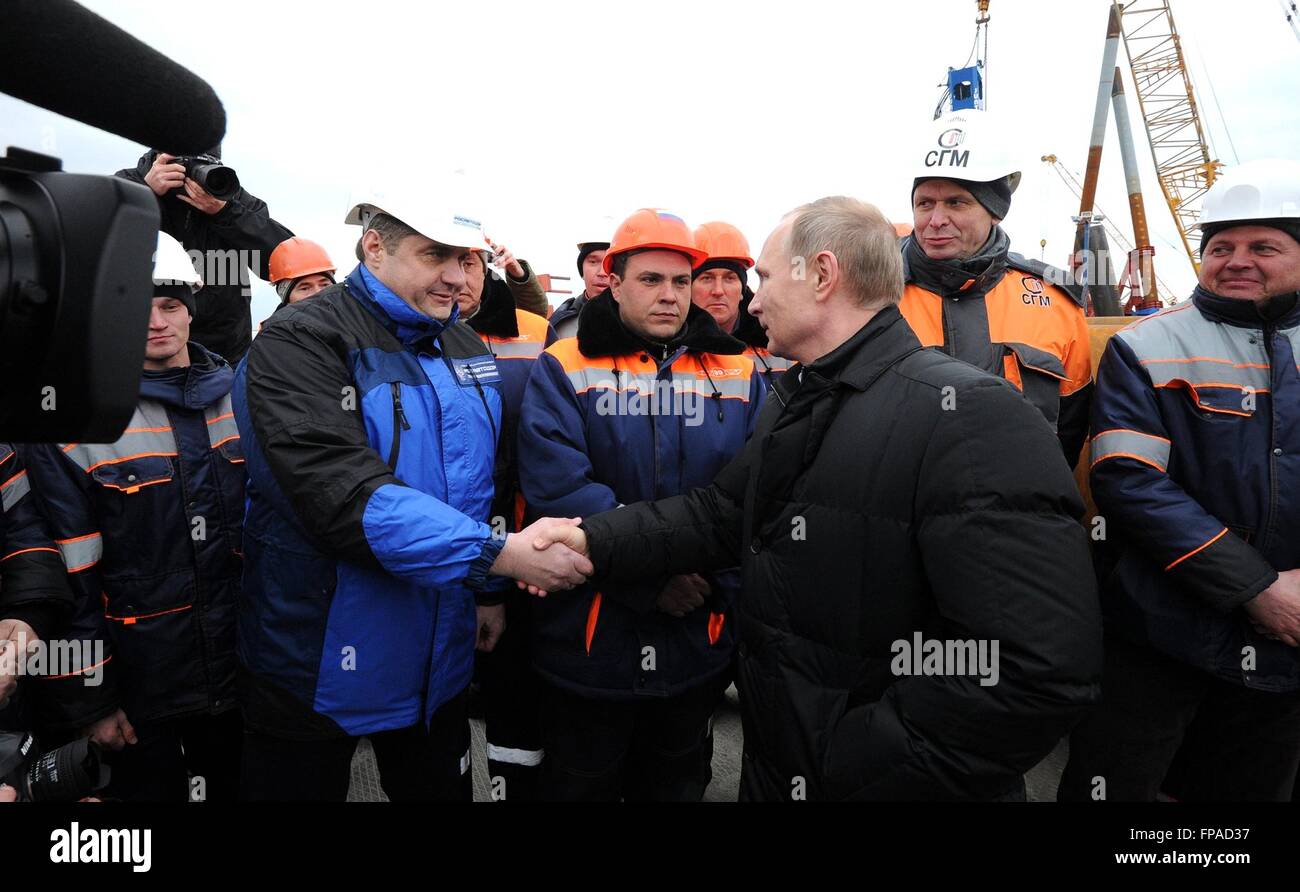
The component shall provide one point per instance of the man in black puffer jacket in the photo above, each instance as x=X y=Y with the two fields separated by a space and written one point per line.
x=919 y=618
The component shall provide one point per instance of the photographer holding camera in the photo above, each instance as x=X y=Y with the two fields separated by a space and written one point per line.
x=205 y=209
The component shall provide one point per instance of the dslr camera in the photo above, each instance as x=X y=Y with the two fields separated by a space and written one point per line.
x=219 y=181
x=67 y=774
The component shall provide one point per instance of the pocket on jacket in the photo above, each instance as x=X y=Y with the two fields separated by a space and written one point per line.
x=134 y=474
x=1219 y=404
x=1038 y=375
x=153 y=643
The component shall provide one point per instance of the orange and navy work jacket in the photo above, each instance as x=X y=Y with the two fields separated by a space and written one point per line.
x=608 y=421
x=1021 y=328
x=515 y=355
x=767 y=364
x=1196 y=473
x=33 y=586
x=150 y=528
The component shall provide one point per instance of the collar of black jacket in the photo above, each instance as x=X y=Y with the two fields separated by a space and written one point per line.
x=747 y=327
x=601 y=333
x=1280 y=311
x=949 y=278
x=496 y=313
x=205 y=380
x=859 y=361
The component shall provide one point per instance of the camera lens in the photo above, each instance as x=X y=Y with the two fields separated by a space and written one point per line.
x=219 y=181
x=66 y=774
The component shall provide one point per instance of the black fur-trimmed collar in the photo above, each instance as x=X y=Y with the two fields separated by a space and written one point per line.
x=747 y=327
x=601 y=333
x=496 y=314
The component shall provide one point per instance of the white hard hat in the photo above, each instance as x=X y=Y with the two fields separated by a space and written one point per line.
x=442 y=218
x=967 y=145
x=1268 y=189
x=171 y=265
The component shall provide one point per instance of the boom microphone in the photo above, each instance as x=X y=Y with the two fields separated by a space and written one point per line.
x=62 y=57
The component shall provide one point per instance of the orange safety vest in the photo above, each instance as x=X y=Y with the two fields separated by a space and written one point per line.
x=1043 y=332
x=528 y=344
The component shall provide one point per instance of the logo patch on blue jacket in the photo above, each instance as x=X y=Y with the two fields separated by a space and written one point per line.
x=480 y=369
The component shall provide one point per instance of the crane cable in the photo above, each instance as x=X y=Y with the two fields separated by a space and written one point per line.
x=1072 y=183
x=1289 y=10
x=1223 y=122
x=938 y=109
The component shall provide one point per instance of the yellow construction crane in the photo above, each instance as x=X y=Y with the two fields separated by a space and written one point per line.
x=1168 y=104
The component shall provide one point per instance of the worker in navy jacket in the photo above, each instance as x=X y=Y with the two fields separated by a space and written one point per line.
x=649 y=400
x=1196 y=475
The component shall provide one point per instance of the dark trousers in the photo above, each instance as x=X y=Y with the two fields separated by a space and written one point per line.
x=176 y=760
x=1232 y=743
x=651 y=750
x=510 y=692
x=416 y=764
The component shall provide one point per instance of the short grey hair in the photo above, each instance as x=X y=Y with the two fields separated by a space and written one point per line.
x=392 y=232
x=862 y=240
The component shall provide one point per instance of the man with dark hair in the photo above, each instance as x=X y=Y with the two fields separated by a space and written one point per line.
x=649 y=399
x=591 y=267
x=372 y=417
x=968 y=295
x=233 y=235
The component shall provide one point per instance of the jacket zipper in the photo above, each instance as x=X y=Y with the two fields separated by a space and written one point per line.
x=1267 y=537
x=399 y=424
x=483 y=397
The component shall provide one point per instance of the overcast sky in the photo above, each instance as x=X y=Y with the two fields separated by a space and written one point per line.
x=566 y=116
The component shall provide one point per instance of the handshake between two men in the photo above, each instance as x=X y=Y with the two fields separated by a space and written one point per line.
x=552 y=555
x=548 y=555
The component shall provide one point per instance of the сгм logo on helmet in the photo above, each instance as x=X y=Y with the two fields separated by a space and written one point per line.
x=952 y=138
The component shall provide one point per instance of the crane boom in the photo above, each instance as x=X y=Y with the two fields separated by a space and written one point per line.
x=1182 y=159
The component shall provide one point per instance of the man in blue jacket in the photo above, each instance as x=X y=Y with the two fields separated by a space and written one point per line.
x=1196 y=475
x=649 y=400
x=372 y=416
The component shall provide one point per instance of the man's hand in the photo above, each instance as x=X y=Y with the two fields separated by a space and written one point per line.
x=683 y=594
x=1275 y=611
x=196 y=196
x=542 y=568
x=491 y=623
x=566 y=531
x=112 y=731
x=503 y=258
x=165 y=176
x=15 y=638
x=8 y=793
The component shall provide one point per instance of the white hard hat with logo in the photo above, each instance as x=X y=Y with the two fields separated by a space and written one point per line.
x=966 y=145
x=1268 y=189
x=171 y=265
x=441 y=217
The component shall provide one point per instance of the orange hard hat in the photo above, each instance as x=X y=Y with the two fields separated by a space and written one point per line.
x=722 y=241
x=296 y=257
x=902 y=230
x=651 y=228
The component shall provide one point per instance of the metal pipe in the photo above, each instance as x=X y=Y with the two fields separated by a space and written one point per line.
x=1100 y=111
x=1143 y=283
